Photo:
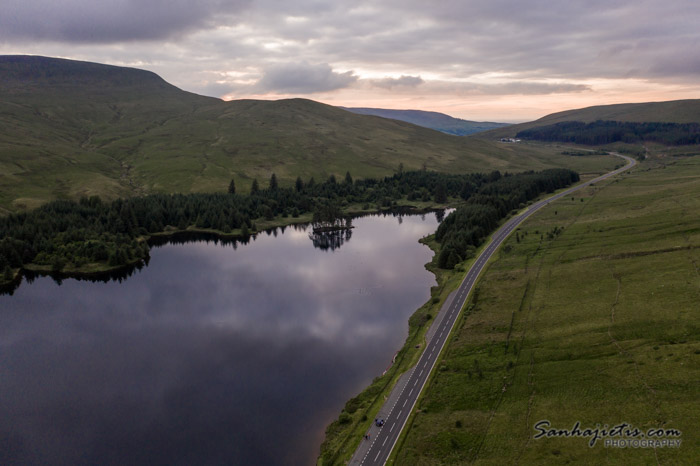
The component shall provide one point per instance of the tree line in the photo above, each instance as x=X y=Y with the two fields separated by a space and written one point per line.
x=91 y=230
x=607 y=132
x=75 y=233
x=464 y=229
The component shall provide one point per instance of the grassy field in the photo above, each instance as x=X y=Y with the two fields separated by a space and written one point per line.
x=597 y=323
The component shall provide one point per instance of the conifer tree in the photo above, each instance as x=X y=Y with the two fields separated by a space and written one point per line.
x=440 y=193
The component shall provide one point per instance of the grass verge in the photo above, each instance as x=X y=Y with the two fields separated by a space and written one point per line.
x=345 y=433
x=589 y=314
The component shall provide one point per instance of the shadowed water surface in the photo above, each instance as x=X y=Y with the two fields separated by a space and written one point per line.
x=210 y=355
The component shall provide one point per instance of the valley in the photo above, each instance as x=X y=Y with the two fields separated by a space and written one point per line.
x=585 y=315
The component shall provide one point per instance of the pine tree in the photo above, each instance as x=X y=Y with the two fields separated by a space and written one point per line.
x=299 y=185
x=232 y=187
x=7 y=273
x=273 y=183
x=57 y=263
x=453 y=260
x=466 y=191
x=254 y=189
x=348 y=178
x=440 y=193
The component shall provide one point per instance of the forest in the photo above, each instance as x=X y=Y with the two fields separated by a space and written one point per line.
x=93 y=232
x=464 y=229
x=607 y=132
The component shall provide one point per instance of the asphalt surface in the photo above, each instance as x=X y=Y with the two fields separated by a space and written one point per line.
x=400 y=403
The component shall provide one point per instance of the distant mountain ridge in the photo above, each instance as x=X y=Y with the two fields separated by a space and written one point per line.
x=433 y=120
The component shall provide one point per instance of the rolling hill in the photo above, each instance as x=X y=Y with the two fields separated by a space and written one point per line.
x=675 y=111
x=433 y=120
x=74 y=128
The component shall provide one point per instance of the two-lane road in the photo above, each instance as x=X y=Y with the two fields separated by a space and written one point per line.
x=400 y=403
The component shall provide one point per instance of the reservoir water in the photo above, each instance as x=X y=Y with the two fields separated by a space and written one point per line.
x=212 y=354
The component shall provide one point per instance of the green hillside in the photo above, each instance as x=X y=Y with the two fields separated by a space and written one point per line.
x=675 y=111
x=74 y=128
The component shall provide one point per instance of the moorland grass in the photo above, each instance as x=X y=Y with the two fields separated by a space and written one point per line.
x=597 y=324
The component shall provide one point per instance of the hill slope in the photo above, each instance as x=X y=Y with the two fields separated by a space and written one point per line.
x=74 y=128
x=675 y=111
x=433 y=120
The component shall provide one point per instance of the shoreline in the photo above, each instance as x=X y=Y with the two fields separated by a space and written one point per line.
x=346 y=441
x=102 y=271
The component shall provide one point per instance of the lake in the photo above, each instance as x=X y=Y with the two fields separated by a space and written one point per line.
x=212 y=354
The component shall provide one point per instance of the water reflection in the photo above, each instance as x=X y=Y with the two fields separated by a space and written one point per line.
x=218 y=352
x=324 y=240
x=330 y=240
x=118 y=275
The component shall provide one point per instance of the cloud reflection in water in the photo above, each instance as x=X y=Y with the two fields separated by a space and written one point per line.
x=210 y=354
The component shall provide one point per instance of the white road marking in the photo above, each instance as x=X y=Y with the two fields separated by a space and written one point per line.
x=471 y=276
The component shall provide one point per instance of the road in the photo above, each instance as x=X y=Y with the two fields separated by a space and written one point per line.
x=400 y=403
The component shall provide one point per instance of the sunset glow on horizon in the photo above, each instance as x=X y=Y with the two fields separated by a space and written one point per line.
x=498 y=61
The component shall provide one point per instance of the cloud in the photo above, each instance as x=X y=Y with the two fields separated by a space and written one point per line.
x=518 y=88
x=109 y=21
x=676 y=62
x=303 y=78
x=453 y=39
x=403 y=81
x=213 y=89
x=475 y=48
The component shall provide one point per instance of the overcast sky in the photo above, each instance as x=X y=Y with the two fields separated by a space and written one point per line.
x=502 y=60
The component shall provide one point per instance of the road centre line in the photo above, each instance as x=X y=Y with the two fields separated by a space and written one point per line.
x=471 y=278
